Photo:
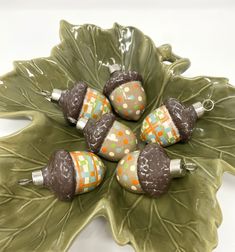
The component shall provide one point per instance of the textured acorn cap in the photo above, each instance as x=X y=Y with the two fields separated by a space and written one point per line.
x=184 y=118
x=71 y=101
x=153 y=168
x=118 y=78
x=95 y=132
x=59 y=175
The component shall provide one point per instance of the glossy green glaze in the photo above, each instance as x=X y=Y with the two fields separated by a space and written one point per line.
x=185 y=219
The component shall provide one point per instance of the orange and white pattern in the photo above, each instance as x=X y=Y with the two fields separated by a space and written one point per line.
x=159 y=127
x=95 y=105
x=89 y=169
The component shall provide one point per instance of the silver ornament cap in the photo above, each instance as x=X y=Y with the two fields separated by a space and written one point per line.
x=56 y=94
x=81 y=123
x=114 y=68
x=178 y=168
x=199 y=109
x=37 y=178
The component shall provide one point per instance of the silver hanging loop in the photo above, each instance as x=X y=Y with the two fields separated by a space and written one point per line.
x=201 y=107
x=46 y=94
x=51 y=96
x=190 y=166
x=208 y=104
x=178 y=168
x=24 y=182
x=37 y=179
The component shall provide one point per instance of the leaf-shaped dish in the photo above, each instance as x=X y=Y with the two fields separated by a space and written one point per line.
x=185 y=219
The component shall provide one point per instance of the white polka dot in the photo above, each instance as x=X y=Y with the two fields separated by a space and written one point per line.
x=127 y=132
x=113 y=136
x=133 y=188
x=111 y=154
x=112 y=97
x=140 y=98
x=126 y=151
x=126 y=89
x=137 y=112
x=132 y=168
x=125 y=105
x=122 y=162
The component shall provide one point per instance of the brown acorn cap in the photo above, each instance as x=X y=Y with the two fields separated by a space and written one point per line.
x=95 y=132
x=153 y=169
x=118 y=78
x=59 y=175
x=184 y=118
x=71 y=101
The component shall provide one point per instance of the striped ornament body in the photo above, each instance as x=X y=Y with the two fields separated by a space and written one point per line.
x=89 y=170
x=158 y=127
x=95 y=105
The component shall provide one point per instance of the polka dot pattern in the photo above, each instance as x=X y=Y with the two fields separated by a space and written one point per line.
x=119 y=141
x=126 y=173
x=129 y=100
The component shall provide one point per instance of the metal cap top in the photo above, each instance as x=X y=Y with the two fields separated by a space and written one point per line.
x=114 y=68
x=56 y=94
x=37 y=178
x=199 y=109
x=176 y=168
x=81 y=123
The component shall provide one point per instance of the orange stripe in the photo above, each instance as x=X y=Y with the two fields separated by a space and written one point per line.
x=90 y=184
x=172 y=126
x=75 y=156
x=91 y=94
x=153 y=131
x=96 y=174
x=105 y=101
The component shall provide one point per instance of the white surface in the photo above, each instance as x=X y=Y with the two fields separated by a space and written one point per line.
x=203 y=31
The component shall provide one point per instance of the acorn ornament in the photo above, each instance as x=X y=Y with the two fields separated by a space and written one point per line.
x=69 y=173
x=173 y=122
x=109 y=138
x=125 y=92
x=79 y=103
x=150 y=171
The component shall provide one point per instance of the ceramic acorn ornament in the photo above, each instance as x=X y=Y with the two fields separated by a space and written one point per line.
x=126 y=93
x=109 y=138
x=173 y=122
x=69 y=173
x=150 y=171
x=79 y=103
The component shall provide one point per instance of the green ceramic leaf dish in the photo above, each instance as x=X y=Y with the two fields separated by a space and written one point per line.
x=185 y=219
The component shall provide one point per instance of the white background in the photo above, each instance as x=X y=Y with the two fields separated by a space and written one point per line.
x=201 y=30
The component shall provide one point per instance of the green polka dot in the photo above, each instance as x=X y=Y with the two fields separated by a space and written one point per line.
x=113 y=145
x=136 y=107
x=125 y=165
